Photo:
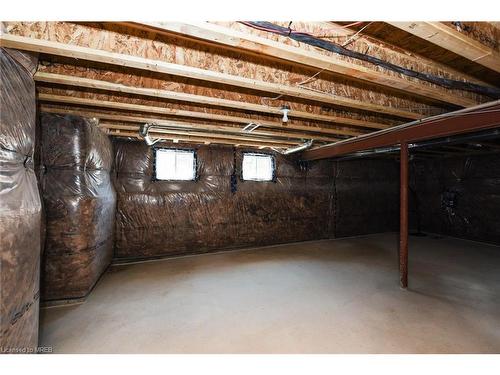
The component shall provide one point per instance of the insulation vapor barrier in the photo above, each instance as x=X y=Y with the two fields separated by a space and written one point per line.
x=218 y=210
x=20 y=207
x=458 y=196
x=367 y=196
x=80 y=205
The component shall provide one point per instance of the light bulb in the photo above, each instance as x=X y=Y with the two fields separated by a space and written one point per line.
x=285 y=109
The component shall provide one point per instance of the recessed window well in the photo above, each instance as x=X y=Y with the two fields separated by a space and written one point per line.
x=258 y=167
x=172 y=164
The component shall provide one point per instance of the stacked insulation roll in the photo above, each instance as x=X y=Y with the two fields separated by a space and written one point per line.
x=79 y=202
x=20 y=207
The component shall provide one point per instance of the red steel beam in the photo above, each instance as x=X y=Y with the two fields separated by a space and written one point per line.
x=403 y=217
x=484 y=116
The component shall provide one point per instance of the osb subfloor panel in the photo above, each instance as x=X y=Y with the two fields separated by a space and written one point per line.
x=338 y=296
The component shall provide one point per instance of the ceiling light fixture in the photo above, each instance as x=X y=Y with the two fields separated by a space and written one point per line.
x=285 y=109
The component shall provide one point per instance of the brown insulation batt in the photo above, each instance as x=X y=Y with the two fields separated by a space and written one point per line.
x=80 y=205
x=159 y=218
x=20 y=209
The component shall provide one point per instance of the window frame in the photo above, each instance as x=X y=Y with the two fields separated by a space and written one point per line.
x=273 y=165
x=195 y=161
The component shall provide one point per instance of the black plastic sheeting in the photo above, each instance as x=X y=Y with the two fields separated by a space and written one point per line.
x=159 y=218
x=367 y=196
x=458 y=196
x=79 y=203
x=492 y=92
x=20 y=207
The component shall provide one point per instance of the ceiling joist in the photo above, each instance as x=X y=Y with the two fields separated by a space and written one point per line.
x=454 y=41
x=157 y=66
x=240 y=41
x=199 y=134
x=200 y=140
x=72 y=100
x=52 y=78
x=387 y=47
x=192 y=126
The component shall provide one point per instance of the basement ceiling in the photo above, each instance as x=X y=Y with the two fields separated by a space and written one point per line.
x=205 y=82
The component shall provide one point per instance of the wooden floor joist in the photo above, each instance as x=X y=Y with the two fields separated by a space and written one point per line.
x=73 y=100
x=413 y=58
x=454 y=41
x=204 y=135
x=189 y=139
x=239 y=41
x=117 y=59
x=191 y=126
x=43 y=77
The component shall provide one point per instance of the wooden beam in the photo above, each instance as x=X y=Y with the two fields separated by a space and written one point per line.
x=200 y=134
x=199 y=140
x=270 y=49
x=414 y=58
x=73 y=100
x=481 y=117
x=179 y=125
x=155 y=132
x=157 y=66
x=452 y=40
x=198 y=99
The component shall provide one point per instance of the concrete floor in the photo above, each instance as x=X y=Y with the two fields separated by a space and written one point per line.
x=337 y=296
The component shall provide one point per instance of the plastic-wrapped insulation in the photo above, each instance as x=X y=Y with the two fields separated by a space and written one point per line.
x=20 y=207
x=79 y=201
x=492 y=92
x=219 y=210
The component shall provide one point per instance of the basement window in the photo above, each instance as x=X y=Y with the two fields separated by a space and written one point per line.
x=257 y=167
x=173 y=164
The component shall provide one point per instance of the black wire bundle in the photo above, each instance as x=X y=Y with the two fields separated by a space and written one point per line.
x=492 y=92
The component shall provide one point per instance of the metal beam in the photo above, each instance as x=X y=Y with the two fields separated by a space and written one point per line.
x=403 y=217
x=484 y=116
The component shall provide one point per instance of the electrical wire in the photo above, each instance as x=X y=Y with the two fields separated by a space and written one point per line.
x=269 y=98
x=351 y=39
x=306 y=33
x=337 y=48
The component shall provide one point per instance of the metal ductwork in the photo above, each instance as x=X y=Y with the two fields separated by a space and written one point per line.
x=302 y=147
x=144 y=133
